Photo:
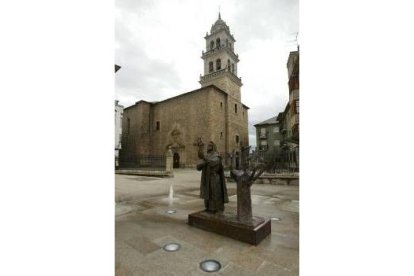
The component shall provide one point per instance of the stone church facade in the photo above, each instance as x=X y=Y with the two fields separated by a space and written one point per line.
x=214 y=112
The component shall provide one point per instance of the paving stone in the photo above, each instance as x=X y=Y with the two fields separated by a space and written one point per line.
x=268 y=268
x=141 y=233
x=142 y=244
x=233 y=269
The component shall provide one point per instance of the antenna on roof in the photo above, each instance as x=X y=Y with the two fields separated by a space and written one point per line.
x=293 y=41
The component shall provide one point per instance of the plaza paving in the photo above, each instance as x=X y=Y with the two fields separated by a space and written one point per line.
x=142 y=228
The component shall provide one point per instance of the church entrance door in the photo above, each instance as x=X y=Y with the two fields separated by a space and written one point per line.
x=176 y=160
x=237 y=161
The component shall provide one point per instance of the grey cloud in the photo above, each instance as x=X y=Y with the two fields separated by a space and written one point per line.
x=142 y=76
x=134 y=6
x=260 y=19
x=150 y=78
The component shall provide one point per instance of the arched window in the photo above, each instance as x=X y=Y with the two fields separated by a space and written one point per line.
x=218 y=64
x=228 y=65
x=211 y=45
x=232 y=67
x=210 y=67
x=218 y=42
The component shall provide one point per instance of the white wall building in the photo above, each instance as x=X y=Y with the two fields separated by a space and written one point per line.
x=119 y=110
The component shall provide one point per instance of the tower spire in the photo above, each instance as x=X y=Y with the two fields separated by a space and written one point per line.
x=219 y=13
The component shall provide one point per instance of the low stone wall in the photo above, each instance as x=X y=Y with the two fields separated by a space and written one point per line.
x=145 y=173
x=293 y=182
x=271 y=179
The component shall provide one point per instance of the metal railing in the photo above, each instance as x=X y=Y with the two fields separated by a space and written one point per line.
x=144 y=162
x=263 y=135
x=223 y=71
x=278 y=163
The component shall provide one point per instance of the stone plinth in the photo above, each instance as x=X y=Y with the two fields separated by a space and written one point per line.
x=227 y=224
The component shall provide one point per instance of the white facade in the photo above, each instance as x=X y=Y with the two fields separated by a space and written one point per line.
x=119 y=110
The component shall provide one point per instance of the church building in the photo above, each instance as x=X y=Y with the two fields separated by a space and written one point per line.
x=213 y=112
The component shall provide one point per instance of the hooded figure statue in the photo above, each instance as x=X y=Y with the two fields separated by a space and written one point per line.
x=213 y=185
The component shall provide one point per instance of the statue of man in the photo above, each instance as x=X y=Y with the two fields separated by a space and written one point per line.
x=213 y=185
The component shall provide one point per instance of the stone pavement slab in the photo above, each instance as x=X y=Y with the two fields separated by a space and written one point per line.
x=142 y=227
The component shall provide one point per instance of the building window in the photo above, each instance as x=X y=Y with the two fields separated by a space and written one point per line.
x=235 y=108
x=276 y=129
x=211 y=45
x=263 y=145
x=221 y=135
x=158 y=125
x=210 y=67
x=218 y=64
x=237 y=139
x=218 y=43
x=221 y=105
x=228 y=65
x=232 y=68
x=263 y=132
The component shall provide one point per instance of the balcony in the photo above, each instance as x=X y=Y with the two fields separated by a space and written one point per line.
x=263 y=148
x=227 y=48
x=263 y=135
x=219 y=73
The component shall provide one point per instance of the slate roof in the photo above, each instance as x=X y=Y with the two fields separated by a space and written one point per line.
x=270 y=121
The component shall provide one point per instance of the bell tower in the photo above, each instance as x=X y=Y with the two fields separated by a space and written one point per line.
x=220 y=61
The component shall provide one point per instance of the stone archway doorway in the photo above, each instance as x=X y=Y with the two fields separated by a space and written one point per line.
x=176 y=160
x=237 y=161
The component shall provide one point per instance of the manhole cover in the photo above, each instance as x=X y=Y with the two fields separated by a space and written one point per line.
x=210 y=266
x=171 y=247
x=276 y=219
x=171 y=212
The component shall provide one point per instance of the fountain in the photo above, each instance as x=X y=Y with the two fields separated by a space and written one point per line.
x=171 y=195
x=171 y=200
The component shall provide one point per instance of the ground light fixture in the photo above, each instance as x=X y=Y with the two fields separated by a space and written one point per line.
x=171 y=247
x=210 y=266
x=171 y=212
x=275 y=218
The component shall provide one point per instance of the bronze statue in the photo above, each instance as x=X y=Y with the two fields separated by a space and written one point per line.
x=252 y=168
x=213 y=185
x=242 y=226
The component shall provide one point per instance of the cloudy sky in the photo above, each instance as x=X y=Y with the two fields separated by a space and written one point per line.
x=159 y=44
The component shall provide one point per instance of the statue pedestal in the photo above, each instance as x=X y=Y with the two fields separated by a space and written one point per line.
x=227 y=224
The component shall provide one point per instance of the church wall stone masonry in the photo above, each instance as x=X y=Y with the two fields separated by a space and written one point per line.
x=214 y=112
